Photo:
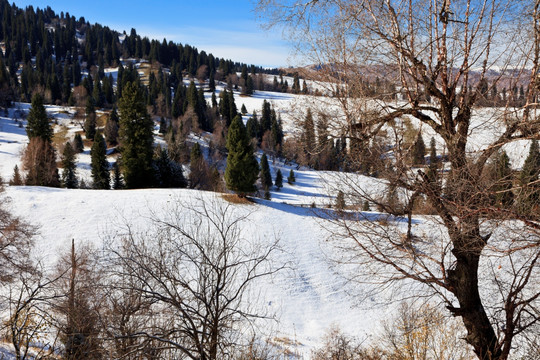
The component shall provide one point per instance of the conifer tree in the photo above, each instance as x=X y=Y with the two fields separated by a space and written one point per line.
x=433 y=162
x=99 y=163
x=279 y=180
x=118 y=183
x=111 y=128
x=265 y=175
x=296 y=84
x=501 y=174
x=90 y=121
x=529 y=196
x=292 y=178
x=418 y=151
x=78 y=143
x=242 y=168
x=243 y=109
x=37 y=120
x=168 y=173
x=308 y=136
x=17 y=179
x=39 y=159
x=249 y=86
x=69 y=175
x=136 y=138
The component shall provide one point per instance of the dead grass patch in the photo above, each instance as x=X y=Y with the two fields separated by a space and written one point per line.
x=235 y=199
x=60 y=137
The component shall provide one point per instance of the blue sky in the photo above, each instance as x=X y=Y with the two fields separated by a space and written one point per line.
x=227 y=29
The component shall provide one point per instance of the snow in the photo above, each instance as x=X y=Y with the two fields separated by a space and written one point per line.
x=307 y=298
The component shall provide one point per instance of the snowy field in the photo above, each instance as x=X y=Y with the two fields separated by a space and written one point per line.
x=307 y=298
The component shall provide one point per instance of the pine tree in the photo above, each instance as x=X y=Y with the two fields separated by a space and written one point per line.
x=118 y=183
x=37 y=120
x=418 y=151
x=242 y=168
x=136 y=138
x=433 y=169
x=296 y=84
x=501 y=174
x=265 y=175
x=99 y=163
x=168 y=173
x=279 y=180
x=90 y=121
x=340 y=201
x=17 y=179
x=529 y=196
x=243 y=109
x=292 y=178
x=308 y=136
x=69 y=175
x=111 y=128
x=78 y=143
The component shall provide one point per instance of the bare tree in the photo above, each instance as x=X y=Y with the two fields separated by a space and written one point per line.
x=195 y=272
x=480 y=259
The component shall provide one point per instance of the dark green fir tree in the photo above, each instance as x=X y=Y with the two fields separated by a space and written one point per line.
x=78 y=144
x=99 y=164
x=37 y=121
x=292 y=178
x=69 y=165
x=279 y=180
x=242 y=168
x=529 y=195
x=136 y=138
x=265 y=175
x=418 y=151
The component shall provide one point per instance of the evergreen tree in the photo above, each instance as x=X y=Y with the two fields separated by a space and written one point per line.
x=78 y=143
x=279 y=180
x=136 y=138
x=305 y=90
x=90 y=121
x=243 y=109
x=111 y=128
x=433 y=169
x=37 y=120
x=296 y=84
x=340 y=201
x=69 y=176
x=118 y=182
x=501 y=174
x=292 y=178
x=249 y=86
x=529 y=196
x=308 y=136
x=265 y=175
x=17 y=179
x=168 y=173
x=242 y=168
x=99 y=164
x=418 y=151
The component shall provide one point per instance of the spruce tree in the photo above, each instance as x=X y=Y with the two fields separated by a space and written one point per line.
x=111 y=128
x=136 y=138
x=168 y=173
x=37 y=121
x=433 y=169
x=418 y=151
x=265 y=175
x=242 y=168
x=308 y=136
x=292 y=178
x=118 y=182
x=90 y=121
x=99 y=163
x=501 y=174
x=78 y=143
x=17 y=179
x=529 y=197
x=279 y=180
x=69 y=173
x=243 y=109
